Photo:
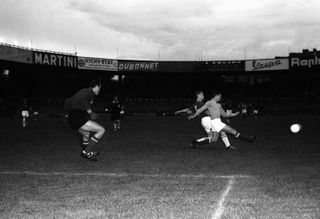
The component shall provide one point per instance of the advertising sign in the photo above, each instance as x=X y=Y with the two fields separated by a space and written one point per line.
x=305 y=62
x=97 y=64
x=267 y=64
x=221 y=66
x=138 y=66
x=177 y=66
x=15 y=54
x=60 y=60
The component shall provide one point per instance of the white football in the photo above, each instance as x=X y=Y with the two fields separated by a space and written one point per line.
x=295 y=128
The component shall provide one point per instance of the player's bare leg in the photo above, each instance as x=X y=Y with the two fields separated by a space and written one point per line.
x=237 y=135
x=211 y=138
x=116 y=125
x=98 y=130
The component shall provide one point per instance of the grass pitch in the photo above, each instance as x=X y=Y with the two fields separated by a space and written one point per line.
x=146 y=170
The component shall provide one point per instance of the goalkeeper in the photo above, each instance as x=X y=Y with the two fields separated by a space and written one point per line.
x=81 y=118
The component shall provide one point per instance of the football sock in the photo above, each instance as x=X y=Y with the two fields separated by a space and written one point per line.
x=225 y=139
x=94 y=140
x=84 y=143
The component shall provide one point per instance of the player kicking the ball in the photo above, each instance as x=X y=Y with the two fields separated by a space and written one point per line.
x=216 y=111
x=205 y=122
x=81 y=118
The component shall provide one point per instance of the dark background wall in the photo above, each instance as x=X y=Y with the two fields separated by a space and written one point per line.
x=42 y=82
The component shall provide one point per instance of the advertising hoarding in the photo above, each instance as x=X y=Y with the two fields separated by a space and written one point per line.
x=304 y=62
x=14 y=54
x=53 y=59
x=267 y=64
x=138 y=66
x=220 y=66
x=97 y=64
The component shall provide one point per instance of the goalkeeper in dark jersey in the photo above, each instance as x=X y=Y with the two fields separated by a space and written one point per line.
x=81 y=118
x=205 y=122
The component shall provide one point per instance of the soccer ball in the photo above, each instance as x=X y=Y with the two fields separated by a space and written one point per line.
x=295 y=128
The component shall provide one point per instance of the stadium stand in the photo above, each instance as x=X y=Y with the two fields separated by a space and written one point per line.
x=46 y=78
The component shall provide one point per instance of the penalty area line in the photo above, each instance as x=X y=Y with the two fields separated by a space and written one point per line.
x=218 y=213
x=106 y=174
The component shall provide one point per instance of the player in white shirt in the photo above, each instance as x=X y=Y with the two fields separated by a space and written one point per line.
x=205 y=122
x=216 y=111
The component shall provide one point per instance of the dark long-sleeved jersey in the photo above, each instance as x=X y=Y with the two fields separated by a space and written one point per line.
x=81 y=100
x=197 y=105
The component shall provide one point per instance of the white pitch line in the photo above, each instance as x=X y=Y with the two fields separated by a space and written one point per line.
x=218 y=213
x=106 y=174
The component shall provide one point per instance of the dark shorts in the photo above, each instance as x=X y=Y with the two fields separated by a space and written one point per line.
x=77 y=118
x=115 y=116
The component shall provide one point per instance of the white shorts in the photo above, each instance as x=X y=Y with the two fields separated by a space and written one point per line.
x=25 y=113
x=217 y=125
x=206 y=124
